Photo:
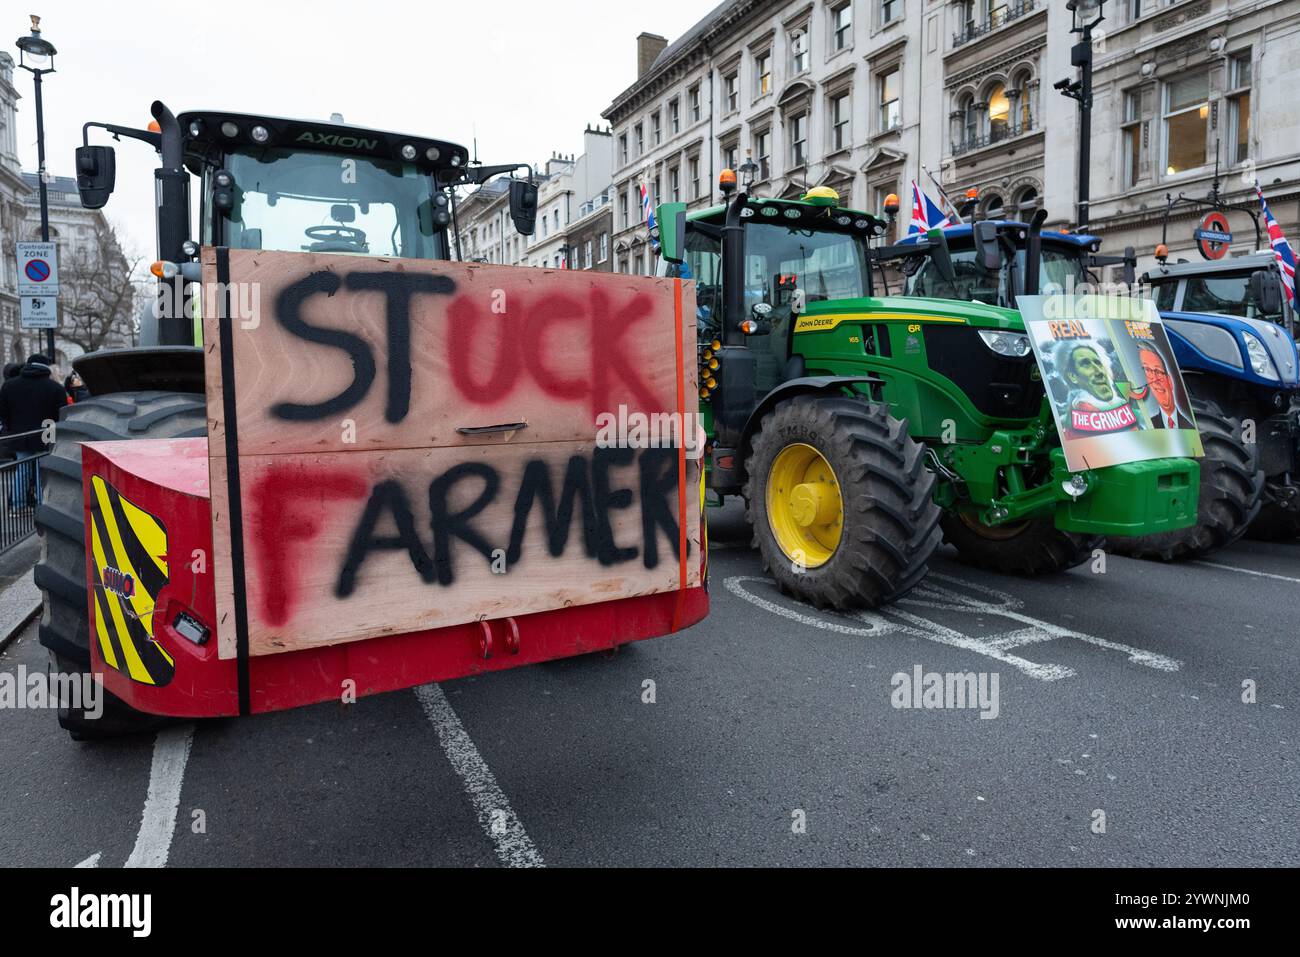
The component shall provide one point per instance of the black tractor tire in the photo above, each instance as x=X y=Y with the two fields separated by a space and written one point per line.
x=890 y=523
x=1232 y=485
x=61 y=572
x=1275 y=524
x=1033 y=547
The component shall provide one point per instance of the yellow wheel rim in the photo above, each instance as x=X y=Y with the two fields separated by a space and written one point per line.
x=804 y=507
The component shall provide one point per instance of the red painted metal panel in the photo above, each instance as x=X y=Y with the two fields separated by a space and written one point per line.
x=163 y=479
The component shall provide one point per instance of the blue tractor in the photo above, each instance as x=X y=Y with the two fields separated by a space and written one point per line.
x=1233 y=336
x=1233 y=331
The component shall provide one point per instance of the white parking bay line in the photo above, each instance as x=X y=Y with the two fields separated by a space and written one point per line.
x=171 y=752
x=513 y=846
x=1248 y=571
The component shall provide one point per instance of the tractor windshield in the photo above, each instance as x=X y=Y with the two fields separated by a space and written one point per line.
x=824 y=264
x=1227 y=295
x=324 y=202
x=1061 y=266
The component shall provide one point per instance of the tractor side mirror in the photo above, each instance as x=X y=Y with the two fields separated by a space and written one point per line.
x=987 y=246
x=523 y=205
x=671 y=222
x=96 y=175
x=940 y=256
x=1265 y=292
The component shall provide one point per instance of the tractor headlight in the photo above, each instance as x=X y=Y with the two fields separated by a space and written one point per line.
x=1012 y=344
x=1260 y=361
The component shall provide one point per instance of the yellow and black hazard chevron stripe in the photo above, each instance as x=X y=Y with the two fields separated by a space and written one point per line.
x=129 y=547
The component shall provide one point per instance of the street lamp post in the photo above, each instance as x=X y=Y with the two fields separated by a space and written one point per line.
x=1085 y=15
x=36 y=56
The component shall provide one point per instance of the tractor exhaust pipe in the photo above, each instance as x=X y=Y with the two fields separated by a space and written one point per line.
x=1034 y=251
x=173 y=192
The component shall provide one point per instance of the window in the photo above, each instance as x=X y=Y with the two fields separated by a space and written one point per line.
x=586 y=255
x=890 y=10
x=693 y=97
x=763 y=74
x=798 y=52
x=763 y=151
x=1024 y=92
x=1239 y=107
x=655 y=196
x=841 y=26
x=557 y=220
x=999 y=113
x=1132 y=131
x=970 y=119
x=638 y=133
x=622 y=210
x=656 y=130
x=693 y=165
x=889 y=107
x=1187 y=116
x=674 y=117
x=604 y=247
x=729 y=155
x=797 y=130
x=675 y=185
x=731 y=92
x=840 y=115
x=622 y=148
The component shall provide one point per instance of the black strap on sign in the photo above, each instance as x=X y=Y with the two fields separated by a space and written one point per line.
x=236 y=506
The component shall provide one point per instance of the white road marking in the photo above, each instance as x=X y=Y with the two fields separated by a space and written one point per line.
x=171 y=752
x=938 y=598
x=92 y=861
x=1248 y=571
x=876 y=624
x=513 y=846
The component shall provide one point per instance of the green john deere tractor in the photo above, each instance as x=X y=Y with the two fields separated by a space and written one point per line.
x=862 y=428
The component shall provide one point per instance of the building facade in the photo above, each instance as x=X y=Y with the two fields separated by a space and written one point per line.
x=866 y=96
x=98 y=300
x=573 y=191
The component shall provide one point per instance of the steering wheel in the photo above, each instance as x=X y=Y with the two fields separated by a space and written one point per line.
x=331 y=238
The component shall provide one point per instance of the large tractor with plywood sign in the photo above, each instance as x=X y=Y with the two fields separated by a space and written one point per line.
x=860 y=428
x=1232 y=333
x=346 y=463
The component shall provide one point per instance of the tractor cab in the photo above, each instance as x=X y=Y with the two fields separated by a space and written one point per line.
x=795 y=252
x=988 y=261
x=298 y=186
x=277 y=184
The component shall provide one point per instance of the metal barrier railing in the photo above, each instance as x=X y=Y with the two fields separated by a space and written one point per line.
x=20 y=490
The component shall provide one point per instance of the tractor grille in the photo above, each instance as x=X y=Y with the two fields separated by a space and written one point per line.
x=997 y=385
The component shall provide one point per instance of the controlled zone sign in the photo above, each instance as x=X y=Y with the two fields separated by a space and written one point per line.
x=38 y=269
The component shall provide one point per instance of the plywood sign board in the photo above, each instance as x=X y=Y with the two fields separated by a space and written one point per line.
x=400 y=445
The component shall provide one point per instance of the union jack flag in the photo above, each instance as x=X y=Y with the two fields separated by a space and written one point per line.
x=1281 y=248
x=926 y=214
x=647 y=210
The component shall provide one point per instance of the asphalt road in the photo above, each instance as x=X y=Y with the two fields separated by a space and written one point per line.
x=1118 y=693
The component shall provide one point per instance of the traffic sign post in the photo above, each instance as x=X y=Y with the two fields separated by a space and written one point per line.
x=39 y=312
x=38 y=286
x=38 y=269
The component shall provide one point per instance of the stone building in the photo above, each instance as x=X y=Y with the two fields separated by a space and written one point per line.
x=868 y=95
x=572 y=191
x=97 y=299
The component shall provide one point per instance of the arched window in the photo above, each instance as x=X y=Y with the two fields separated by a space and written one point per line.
x=1023 y=107
x=969 y=120
x=993 y=206
x=999 y=113
x=1027 y=198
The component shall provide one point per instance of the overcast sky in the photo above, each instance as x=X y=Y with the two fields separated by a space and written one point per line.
x=525 y=78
